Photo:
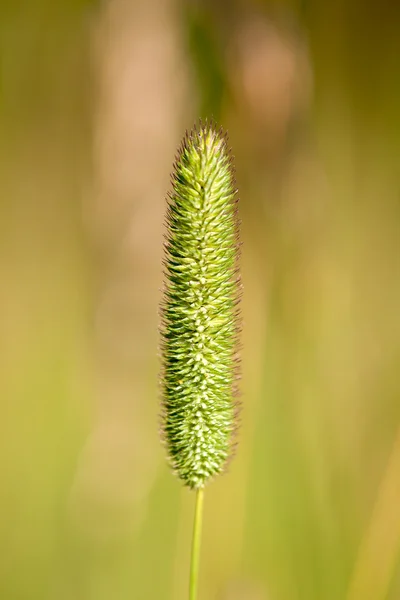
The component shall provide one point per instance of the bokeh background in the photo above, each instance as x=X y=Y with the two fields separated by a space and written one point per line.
x=94 y=100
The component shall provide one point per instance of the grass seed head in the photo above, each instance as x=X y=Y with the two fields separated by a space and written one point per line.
x=200 y=314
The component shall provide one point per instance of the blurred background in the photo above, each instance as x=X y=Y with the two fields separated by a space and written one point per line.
x=94 y=99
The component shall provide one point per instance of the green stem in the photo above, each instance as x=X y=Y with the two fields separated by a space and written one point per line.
x=195 y=559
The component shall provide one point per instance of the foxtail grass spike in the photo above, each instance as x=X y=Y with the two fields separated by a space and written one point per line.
x=200 y=314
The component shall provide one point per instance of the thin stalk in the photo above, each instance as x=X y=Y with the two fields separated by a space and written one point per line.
x=195 y=558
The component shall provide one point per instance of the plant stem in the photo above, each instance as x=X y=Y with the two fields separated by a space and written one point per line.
x=195 y=558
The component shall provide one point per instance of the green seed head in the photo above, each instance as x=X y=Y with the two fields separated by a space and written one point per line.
x=200 y=308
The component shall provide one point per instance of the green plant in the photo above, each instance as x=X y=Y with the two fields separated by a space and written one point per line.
x=200 y=316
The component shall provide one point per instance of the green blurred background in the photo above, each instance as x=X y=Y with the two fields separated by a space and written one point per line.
x=94 y=99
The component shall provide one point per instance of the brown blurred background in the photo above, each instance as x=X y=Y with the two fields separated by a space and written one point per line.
x=94 y=99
